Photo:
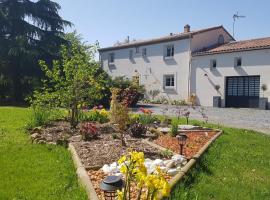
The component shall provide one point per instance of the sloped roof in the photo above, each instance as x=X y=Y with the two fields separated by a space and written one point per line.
x=236 y=46
x=171 y=37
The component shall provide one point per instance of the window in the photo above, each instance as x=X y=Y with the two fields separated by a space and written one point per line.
x=220 y=39
x=137 y=50
x=144 y=52
x=131 y=54
x=237 y=62
x=169 y=51
x=213 y=64
x=111 y=58
x=169 y=81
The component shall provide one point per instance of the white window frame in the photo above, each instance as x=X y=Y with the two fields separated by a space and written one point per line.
x=212 y=61
x=110 y=58
x=165 y=76
x=171 y=47
x=236 y=61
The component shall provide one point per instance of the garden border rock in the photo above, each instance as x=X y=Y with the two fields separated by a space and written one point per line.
x=177 y=178
x=82 y=174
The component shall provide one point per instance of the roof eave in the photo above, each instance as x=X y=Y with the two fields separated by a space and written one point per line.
x=228 y=51
x=145 y=43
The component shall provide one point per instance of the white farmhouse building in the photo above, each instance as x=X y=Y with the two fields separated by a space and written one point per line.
x=207 y=62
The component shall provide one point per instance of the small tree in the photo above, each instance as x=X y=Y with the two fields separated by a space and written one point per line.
x=74 y=80
x=119 y=114
x=263 y=88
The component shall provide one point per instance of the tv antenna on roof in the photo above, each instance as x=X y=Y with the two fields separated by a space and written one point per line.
x=236 y=16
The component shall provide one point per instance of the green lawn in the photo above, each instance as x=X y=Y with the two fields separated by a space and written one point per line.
x=237 y=166
x=32 y=171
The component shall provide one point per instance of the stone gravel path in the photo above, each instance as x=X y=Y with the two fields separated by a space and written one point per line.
x=254 y=119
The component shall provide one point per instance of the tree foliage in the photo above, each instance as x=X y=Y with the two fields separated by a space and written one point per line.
x=29 y=31
x=74 y=81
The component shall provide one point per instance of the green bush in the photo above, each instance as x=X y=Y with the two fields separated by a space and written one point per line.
x=43 y=115
x=147 y=119
x=174 y=128
x=94 y=115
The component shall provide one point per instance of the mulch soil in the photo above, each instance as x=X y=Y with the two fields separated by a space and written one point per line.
x=106 y=150
x=195 y=141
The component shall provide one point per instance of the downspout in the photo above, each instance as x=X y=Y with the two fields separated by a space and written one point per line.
x=189 y=67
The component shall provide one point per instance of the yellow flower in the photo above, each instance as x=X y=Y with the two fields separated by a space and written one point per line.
x=137 y=157
x=120 y=195
x=103 y=112
x=166 y=189
x=122 y=159
x=123 y=169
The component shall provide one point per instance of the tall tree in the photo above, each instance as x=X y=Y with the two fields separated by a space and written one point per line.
x=29 y=31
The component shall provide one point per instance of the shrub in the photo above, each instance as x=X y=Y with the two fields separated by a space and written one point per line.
x=167 y=153
x=43 y=115
x=115 y=136
x=146 y=117
x=119 y=114
x=89 y=131
x=174 y=128
x=96 y=115
x=137 y=130
x=129 y=93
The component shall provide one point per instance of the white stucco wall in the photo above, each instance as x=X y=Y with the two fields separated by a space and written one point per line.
x=256 y=62
x=153 y=67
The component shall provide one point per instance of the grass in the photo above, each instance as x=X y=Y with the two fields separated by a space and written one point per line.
x=33 y=171
x=236 y=166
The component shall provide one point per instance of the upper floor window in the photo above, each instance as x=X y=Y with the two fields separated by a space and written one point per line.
x=137 y=50
x=169 y=81
x=213 y=64
x=237 y=62
x=111 y=58
x=144 y=52
x=131 y=54
x=220 y=39
x=169 y=51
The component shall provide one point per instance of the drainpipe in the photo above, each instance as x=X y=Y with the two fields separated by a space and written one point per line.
x=189 y=66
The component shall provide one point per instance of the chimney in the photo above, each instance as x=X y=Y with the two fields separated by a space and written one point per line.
x=186 y=28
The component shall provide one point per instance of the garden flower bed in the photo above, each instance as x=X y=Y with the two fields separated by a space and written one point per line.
x=195 y=141
x=99 y=144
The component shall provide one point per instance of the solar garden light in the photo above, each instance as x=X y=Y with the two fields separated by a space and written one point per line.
x=110 y=185
x=182 y=138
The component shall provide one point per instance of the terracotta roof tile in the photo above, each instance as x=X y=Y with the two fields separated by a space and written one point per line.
x=234 y=46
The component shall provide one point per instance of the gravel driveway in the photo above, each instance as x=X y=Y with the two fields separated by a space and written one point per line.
x=254 y=119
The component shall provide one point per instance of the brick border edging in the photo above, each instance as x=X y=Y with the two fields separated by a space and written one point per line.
x=83 y=177
x=177 y=178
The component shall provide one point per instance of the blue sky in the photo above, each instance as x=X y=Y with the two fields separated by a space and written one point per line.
x=110 y=20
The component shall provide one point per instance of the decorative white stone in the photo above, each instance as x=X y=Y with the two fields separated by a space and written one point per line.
x=106 y=169
x=178 y=159
x=164 y=130
x=172 y=172
x=158 y=162
x=187 y=127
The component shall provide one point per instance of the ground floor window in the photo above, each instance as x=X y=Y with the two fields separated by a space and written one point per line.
x=169 y=81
